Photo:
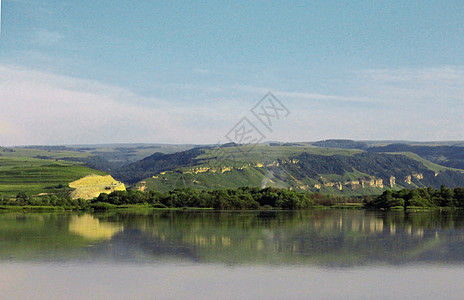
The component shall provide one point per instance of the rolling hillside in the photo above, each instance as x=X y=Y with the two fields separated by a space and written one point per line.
x=450 y=156
x=22 y=170
x=304 y=168
x=333 y=167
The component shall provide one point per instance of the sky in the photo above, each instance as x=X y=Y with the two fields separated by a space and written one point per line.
x=147 y=71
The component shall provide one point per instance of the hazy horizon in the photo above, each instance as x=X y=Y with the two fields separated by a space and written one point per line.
x=225 y=142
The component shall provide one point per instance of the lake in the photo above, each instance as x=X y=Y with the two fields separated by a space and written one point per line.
x=317 y=254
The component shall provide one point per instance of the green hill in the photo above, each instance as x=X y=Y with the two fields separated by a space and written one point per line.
x=22 y=170
x=447 y=155
x=333 y=167
x=304 y=168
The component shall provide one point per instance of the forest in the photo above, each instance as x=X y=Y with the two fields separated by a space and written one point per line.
x=247 y=198
x=222 y=199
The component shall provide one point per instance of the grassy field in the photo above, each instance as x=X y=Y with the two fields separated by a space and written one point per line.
x=37 y=153
x=21 y=171
x=114 y=153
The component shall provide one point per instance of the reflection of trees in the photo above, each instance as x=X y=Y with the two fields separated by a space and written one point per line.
x=322 y=237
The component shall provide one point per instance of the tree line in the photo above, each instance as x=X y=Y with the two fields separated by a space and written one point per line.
x=240 y=198
x=223 y=199
x=59 y=200
x=420 y=197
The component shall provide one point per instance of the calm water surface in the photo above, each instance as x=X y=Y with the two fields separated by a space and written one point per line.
x=321 y=254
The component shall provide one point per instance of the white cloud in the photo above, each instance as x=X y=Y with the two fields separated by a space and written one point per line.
x=42 y=108
x=412 y=104
x=426 y=86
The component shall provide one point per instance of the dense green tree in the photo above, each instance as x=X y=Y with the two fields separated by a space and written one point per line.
x=421 y=197
x=459 y=197
x=446 y=197
x=386 y=201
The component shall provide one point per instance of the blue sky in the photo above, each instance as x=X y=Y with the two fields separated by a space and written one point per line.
x=76 y=72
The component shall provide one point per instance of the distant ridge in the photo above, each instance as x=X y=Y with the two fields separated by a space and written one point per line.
x=341 y=144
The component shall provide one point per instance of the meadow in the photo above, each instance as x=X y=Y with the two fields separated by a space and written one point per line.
x=21 y=170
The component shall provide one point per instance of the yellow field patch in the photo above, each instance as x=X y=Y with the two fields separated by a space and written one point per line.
x=92 y=186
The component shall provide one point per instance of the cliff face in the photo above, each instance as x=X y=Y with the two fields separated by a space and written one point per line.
x=393 y=169
x=392 y=181
x=408 y=179
x=360 y=183
x=310 y=169
x=365 y=182
x=418 y=176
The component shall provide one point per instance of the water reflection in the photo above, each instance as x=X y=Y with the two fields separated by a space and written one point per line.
x=91 y=228
x=320 y=237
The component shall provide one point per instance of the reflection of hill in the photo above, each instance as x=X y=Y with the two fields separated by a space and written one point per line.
x=318 y=237
x=135 y=245
x=340 y=238
x=90 y=228
x=38 y=236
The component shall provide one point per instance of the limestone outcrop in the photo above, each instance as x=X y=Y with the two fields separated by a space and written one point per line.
x=92 y=186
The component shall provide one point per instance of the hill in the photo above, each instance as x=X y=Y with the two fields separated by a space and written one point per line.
x=341 y=144
x=26 y=170
x=112 y=155
x=304 y=168
x=333 y=166
x=450 y=156
x=158 y=162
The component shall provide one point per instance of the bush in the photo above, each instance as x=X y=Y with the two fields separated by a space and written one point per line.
x=101 y=206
